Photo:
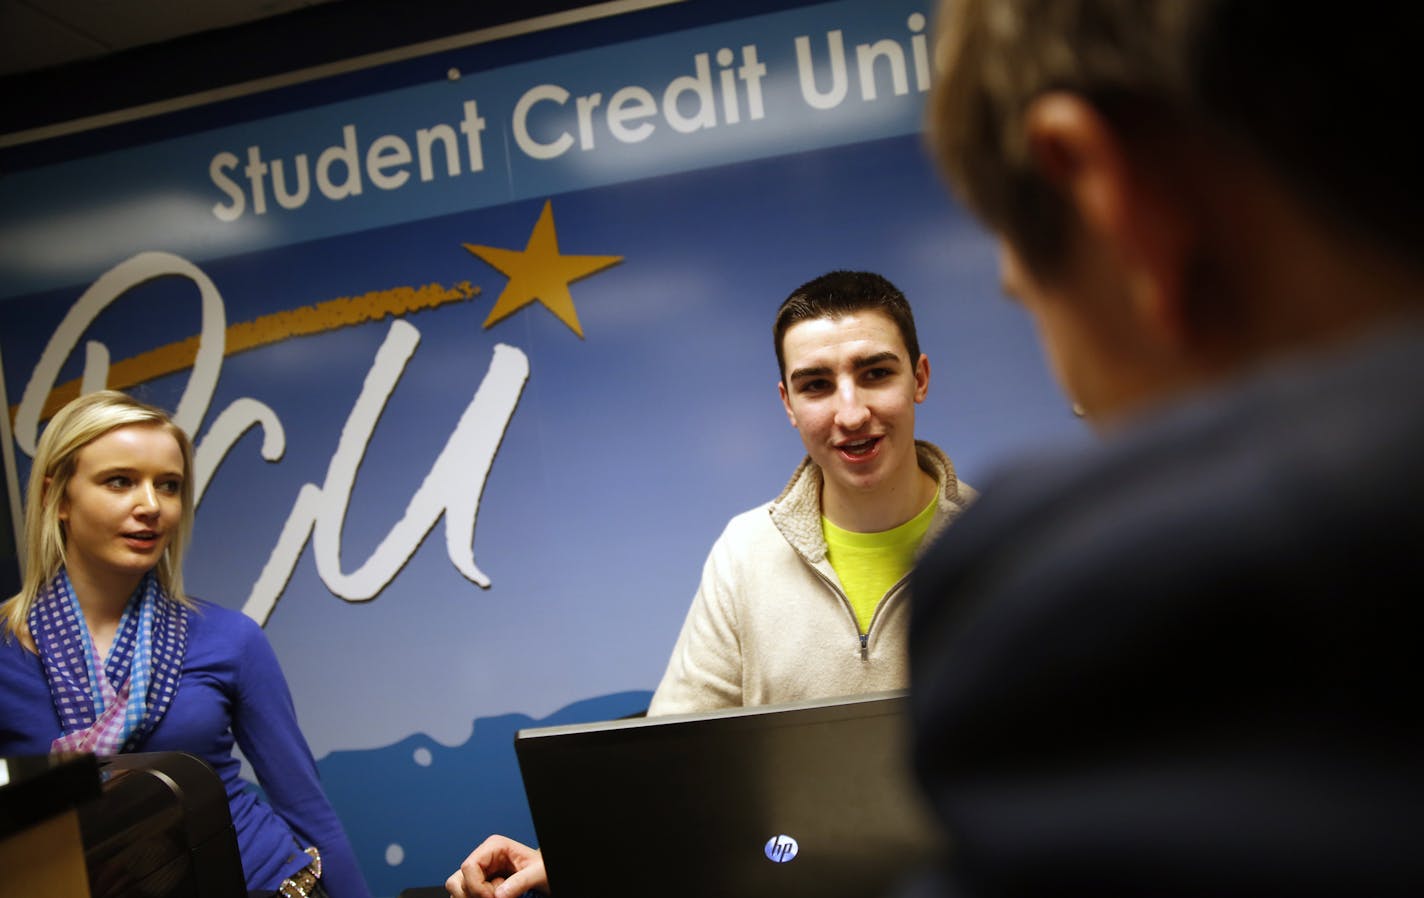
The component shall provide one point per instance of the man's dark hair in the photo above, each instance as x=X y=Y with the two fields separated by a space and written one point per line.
x=841 y=293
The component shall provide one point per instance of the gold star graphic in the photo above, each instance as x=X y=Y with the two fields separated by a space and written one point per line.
x=539 y=272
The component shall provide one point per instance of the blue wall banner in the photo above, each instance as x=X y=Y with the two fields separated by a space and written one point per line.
x=477 y=369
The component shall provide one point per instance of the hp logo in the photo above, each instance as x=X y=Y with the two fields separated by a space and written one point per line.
x=780 y=849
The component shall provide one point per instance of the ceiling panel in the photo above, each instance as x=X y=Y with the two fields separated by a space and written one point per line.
x=40 y=33
x=29 y=39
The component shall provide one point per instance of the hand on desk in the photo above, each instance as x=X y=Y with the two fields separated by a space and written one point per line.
x=499 y=868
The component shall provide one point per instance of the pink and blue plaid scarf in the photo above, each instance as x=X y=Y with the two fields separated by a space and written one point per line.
x=109 y=705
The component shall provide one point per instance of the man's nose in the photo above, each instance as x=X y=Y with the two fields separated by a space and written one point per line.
x=851 y=411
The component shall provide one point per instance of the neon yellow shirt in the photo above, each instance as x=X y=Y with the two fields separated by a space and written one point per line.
x=869 y=564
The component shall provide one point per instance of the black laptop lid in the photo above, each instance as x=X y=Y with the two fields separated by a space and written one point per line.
x=811 y=799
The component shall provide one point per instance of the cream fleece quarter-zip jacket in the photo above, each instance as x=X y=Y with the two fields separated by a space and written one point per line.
x=771 y=623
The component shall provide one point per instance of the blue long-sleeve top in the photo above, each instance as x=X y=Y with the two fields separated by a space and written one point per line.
x=232 y=690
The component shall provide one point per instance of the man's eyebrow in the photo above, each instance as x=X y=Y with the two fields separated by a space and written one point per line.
x=877 y=358
x=819 y=371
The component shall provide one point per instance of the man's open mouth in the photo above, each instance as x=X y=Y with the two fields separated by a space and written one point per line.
x=859 y=448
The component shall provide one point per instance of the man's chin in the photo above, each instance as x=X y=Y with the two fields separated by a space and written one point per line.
x=857 y=480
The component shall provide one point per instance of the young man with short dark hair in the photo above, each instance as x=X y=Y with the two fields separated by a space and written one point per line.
x=804 y=597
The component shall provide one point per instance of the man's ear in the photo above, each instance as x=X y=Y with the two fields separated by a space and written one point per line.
x=1140 y=221
x=922 y=377
x=786 y=402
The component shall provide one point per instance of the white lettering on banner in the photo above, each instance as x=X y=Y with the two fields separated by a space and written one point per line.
x=866 y=55
x=452 y=488
x=237 y=419
x=554 y=94
x=628 y=110
x=346 y=155
x=108 y=287
x=339 y=167
x=548 y=121
x=806 y=69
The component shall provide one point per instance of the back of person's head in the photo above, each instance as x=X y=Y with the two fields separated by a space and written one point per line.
x=76 y=425
x=840 y=293
x=1323 y=98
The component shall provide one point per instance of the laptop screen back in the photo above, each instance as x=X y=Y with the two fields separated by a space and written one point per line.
x=811 y=799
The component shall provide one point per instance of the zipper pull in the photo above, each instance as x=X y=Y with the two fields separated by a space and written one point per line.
x=865 y=646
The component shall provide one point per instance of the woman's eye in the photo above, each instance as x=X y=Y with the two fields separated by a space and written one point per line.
x=117 y=482
x=171 y=487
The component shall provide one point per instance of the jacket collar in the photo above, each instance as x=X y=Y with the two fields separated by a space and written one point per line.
x=797 y=511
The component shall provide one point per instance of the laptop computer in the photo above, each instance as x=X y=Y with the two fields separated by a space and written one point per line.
x=805 y=799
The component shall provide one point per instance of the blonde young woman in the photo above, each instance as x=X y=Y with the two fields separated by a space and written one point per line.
x=101 y=651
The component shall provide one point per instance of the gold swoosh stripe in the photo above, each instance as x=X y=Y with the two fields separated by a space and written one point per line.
x=330 y=315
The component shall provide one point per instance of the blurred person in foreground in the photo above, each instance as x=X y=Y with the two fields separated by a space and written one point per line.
x=1183 y=662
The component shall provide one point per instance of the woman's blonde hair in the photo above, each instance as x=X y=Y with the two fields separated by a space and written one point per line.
x=73 y=427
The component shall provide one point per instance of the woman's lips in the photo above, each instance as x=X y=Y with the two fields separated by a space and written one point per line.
x=141 y=538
